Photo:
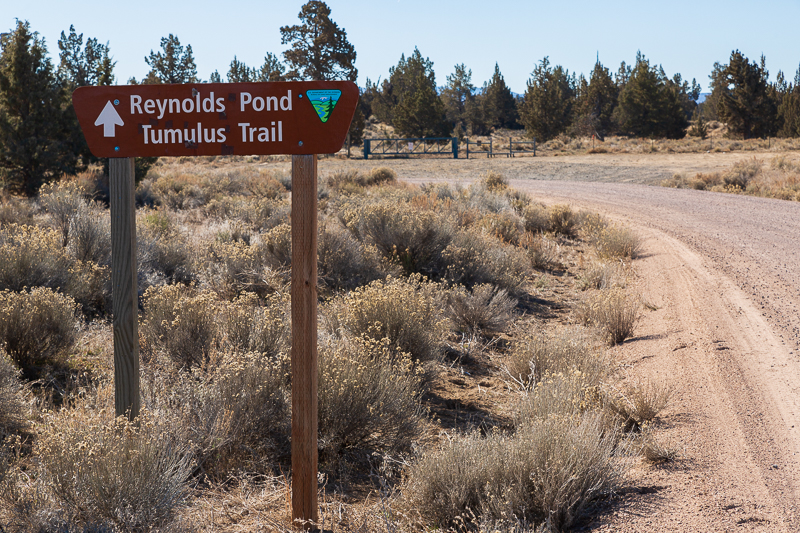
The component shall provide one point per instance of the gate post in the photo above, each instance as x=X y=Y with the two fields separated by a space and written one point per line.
x=366 y=148
x=455 y=147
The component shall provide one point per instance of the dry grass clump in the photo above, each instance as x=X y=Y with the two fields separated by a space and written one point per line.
x=537 y=354
x=536 y=218
x=163 y=253
x=233 y=267
x=474 y=258
x=96 y=474
x=656 y=450
x=614 y=312
x=547 y=474
x=179 y=321
x=407 y=312
x=14 y=210
x=563 y=220
x=617 y=242
x=637 y=402
x=494 y=181
x=486 y=310
x=12 y=405
x=542 y=251
x=253 y=324
x=32 y=257
x=602 y=275
x=36 y=326
x=741 y=173
x=413 y=239
x=506 y=226
x=378 y=388
x=90 y=236
x=344 y=263
x=353 y=180
x=62 y=201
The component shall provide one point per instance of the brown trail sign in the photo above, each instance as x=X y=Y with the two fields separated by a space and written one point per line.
x=298 y=118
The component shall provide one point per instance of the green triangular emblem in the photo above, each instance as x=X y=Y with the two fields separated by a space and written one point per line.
x=324 y=101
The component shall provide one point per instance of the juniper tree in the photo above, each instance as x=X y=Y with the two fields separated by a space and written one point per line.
x=81 y=65
x=238 y=72
x=410 y=89
x=498 y=105
x=272 y=69
x=320 y=51
x=457 y=97
x=173 y=64
x=789 y=108
x=744 y=100
x=36 y=134
x=549 y=99
x=649 y=104
x=596 y=103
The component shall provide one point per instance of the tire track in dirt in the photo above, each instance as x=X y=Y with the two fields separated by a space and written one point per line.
x=725 y=271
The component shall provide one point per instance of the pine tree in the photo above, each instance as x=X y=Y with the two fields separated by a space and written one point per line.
x=215 y=77
x=272 y=69
x=457 y=96
x=597 y=100
x=745 y=103
x=498 y=105
x=174 y=64
x=36 y=133
x=547 y=108
x=238 y=72
x=650 y=104
x=412 y=79
x=84 y=65
x=320 y=51
x=421 y=113
x=319 y=48
x=789 y=108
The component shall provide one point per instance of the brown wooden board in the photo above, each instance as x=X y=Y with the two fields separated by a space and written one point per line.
x=302 y=117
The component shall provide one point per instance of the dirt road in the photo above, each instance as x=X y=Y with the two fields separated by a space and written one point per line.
x=724 y=273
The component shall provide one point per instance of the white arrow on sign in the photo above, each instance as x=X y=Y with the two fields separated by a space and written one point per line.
x=109 y=119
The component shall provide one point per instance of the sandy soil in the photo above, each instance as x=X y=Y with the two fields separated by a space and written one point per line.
x=724 y=274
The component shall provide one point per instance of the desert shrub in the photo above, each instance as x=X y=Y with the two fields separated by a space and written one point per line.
x=342 y=261
x=506 y=226
x=485 y=310
x=473 y=258
x=14 y=210
x=163 y=253
x=12 y=406
x=61 y=200
x=381 y=176
x=178 y=192
x=379 y=390
x=180 y=321
x=601 y=275
x=536 y=218
x=32 y=257
x=414 y=239
x=637 y=402
x=537 y=354
x=404 y=311
x=112 y=475
x=542 y=252
x=547 y=473
x=740 y=174
x=485 y=200
x=563 y=220
x=90 y=237
x=236 y=414
x=36 y=326
x=617 y=242
x=258 y=325
x=654 y=449
x=233 y=267
x=494 y=181
x=613 y=312
x=277 y=246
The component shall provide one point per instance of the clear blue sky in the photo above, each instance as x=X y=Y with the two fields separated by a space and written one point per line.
x=683 y=36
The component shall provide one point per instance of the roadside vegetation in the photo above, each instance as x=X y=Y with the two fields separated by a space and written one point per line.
x=777 y=178
x=427 y=294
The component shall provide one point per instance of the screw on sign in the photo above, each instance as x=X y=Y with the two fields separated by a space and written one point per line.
x=298 y=118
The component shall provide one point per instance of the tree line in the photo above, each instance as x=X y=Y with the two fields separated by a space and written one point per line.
x=40 y=138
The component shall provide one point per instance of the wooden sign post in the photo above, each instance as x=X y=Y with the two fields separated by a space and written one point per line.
x=298 y=118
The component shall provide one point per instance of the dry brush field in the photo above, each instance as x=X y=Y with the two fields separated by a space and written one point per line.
x=463 y=332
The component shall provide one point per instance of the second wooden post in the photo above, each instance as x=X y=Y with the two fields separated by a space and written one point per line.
x=304 y=339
